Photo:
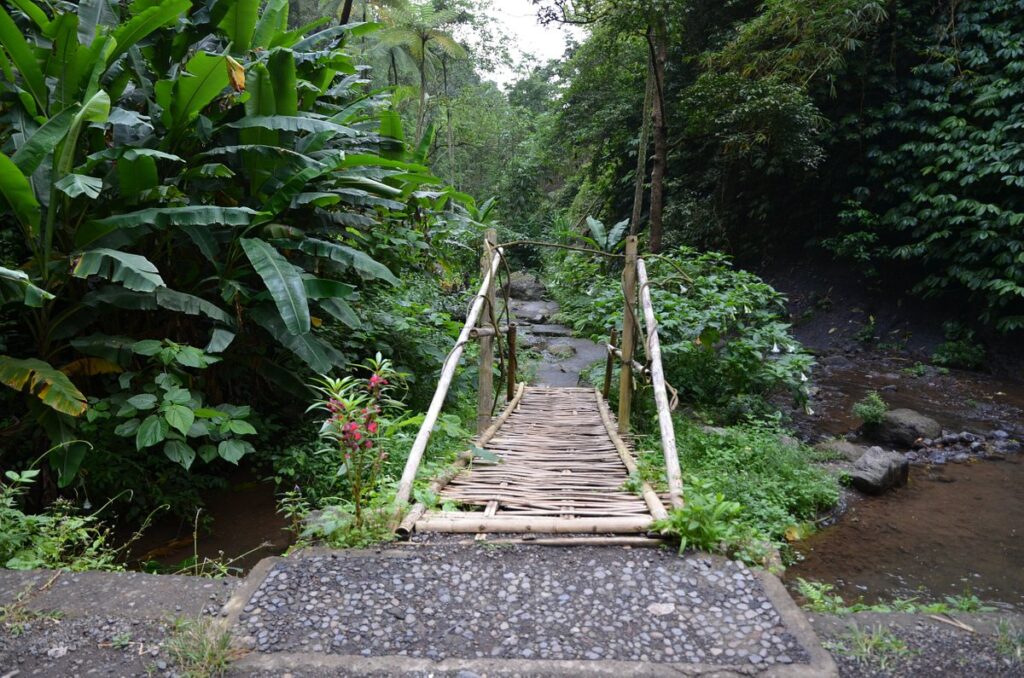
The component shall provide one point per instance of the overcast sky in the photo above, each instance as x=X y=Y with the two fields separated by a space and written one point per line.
x=519 y=18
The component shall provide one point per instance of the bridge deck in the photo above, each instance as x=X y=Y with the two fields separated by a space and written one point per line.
x=559 y=471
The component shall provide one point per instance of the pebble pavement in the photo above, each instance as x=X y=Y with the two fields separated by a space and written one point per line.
x=520 y=602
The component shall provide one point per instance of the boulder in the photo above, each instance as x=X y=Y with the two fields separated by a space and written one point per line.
x=562 y=351
x=841 y=448
x=878 y=471
x=523 y=285
x=902 y=427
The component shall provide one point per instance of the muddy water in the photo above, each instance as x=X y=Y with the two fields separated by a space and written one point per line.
x=954 y=527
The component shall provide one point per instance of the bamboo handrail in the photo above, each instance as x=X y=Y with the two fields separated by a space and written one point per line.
x=668 y=435
x=419 y=445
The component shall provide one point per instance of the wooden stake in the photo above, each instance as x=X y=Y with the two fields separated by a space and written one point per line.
x=409 y=523
x=419 y=445
x=609 y=365
x=628 y=335
x=485 y=392
x=513 y=363
x=668 y=434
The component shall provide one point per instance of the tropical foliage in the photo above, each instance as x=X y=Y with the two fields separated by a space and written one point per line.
x=193 y=181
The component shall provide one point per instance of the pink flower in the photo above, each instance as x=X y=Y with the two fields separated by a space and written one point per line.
x=372 y=427
x=377 y=380
x=356 y=435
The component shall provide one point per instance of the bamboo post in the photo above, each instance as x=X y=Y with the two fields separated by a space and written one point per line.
x=668 y=434
x=513 y=363
x=419 y=445
x=485 y=392
x=628 y=335
x=609 y=365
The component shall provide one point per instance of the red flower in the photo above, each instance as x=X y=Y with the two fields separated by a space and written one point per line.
x=372 y=427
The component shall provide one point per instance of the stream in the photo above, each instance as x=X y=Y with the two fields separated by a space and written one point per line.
x=956 y=527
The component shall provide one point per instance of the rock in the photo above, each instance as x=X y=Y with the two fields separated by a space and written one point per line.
x=877 y=471
x=903 y=427
x=661 y=609
x=562 y=351
x=1000 y=434
x=842 y=448
x=522 y=285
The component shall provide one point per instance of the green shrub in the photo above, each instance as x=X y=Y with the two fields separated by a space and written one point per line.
x=960 y=348
x=870 y=409
x=59 y=539
x=723 y=332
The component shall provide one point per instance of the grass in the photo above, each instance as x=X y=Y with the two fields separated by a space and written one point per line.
x=200 y=648
x=1010 y=641
x=877 y=648
x=16 y=616
x=822 y=598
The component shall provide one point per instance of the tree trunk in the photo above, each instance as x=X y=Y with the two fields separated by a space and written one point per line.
x=422 y=113
x=346 y=12
x=657 y=38
x=451 y=132
x=641 y=154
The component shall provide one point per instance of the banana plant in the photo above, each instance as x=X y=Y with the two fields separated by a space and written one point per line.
x=190 y=171
x=605 y=239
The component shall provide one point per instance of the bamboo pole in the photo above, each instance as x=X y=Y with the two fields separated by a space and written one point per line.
x=419 y=445
x=628 y=335
x=654 y=504
x=463 y=523
x=513 y=363
x=609 y=365
x=409 y=523
x=668 y=435
x=485 y=390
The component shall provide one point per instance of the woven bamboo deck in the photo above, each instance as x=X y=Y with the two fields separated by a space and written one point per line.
x=560 y=471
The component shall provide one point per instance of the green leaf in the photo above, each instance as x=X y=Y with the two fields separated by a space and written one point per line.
x=318 y=355
x=16 y=286
x=341 y=312
x=204 y=79
x=16 y=190
x=94 y=13
x=153 y=430
x=284 y=282
x=273 y=21
x=45 y=382
x=132 y=270
x=74 y=185
x=95 y=110
x=233 y=450
x=291 y=123
x=148 y=347
x=190 y=356
x=367 y=267
x=144 y=23
x=241 y=427
x=179 y=452
x=207 y=453
x=67 y=459
x=180 y=418
x=128 y=429
x=320 y=288
x=24 y=59
x=177 y=395
x=281 y=67
x=143 y=401
x=239 y=23
x=30 y=154
x=162 y=217
x=33 y=12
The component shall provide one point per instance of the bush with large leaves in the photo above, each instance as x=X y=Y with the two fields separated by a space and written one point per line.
x=192 y=170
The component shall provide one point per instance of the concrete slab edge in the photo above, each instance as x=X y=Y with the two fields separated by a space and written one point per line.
x=822 y=665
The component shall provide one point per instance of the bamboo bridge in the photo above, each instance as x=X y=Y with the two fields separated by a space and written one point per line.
x=556 y=460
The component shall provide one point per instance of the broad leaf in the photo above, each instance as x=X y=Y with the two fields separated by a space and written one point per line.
x=24 y=59
x=15 y=286
x=162 y=217
x=44 y=381
x=284 y=282
x=147 y=21
x=180 y=418
x=153 y=430
x=179 y=452
x=318 y=355
x=239 y=23
x=362 y=263
x=17 y=191
x=291 y=123
x=233 y=450
x=30 y=155
x=74 y=185
x=205 y=77
x=132 y=270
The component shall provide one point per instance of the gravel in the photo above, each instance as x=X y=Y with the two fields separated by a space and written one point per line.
x=929 y=648
x=471 y=602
